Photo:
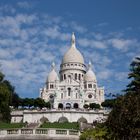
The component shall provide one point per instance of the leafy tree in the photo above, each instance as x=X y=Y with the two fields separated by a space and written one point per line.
x=86 y=106
x=48 y=105
x=124 y=119
x=15 y=100
x=100 y=132
x=29 y=102
x=94 y=106
x=109 y=103
x=6 y=90
x=21 y=102
x=39 y=103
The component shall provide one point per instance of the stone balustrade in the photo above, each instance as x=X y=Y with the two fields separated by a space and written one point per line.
x=40 y=131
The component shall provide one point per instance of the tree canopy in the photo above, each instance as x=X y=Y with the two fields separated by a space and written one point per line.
x=94 y=106
x=6 y=91
x=124 y=119
x=108 y=103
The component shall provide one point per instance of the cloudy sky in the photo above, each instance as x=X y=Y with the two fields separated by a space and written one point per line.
x=35 y=33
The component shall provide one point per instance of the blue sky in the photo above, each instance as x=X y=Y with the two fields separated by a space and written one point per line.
x=35 y=33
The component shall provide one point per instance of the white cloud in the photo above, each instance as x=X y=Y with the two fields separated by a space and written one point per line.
x=120 y=76
x=78 y=28
x=54 y=33
x=104 y=74
x=123 y=44
x=7 y=9
x=4 y=53
x=92 y=43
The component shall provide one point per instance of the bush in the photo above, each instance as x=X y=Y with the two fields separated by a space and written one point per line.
x=94 y=106
x=86 y=106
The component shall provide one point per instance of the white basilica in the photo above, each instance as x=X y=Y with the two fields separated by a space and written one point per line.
x=76 y=84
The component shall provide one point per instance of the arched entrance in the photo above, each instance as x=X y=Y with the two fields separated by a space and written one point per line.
x=62 y=119
x=82 y=119
x=60 y=105
x=44 y=119
x=68 y=105
x=75 y=105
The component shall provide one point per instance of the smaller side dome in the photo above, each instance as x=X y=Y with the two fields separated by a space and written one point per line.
x=90 y=75
x=52 y=77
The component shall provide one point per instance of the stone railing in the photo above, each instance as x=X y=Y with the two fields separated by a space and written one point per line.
x=66 y=110
x=40 y=131
x=16 y=112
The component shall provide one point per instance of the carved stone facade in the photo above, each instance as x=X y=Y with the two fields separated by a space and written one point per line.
x=76 y=84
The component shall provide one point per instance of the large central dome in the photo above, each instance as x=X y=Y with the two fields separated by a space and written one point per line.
x=73 y=54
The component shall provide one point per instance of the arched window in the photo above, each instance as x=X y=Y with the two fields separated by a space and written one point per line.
x=89 y=85
x=61 y=77
x=75 y=105
x=64 y=76
x=68 y=105
x=76 y=95
x=75 y=76
x=79 y=76
x=69 y=90
x=94 y=85
x=85 y=86
x=41 y=94
x=60 y=105
x=61 y=95
x=51 y=86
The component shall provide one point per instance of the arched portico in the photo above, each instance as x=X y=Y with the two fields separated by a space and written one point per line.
x=75 y=105
x=68 y=106
x=60 y=105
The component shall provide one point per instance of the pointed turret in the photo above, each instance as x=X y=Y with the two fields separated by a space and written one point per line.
x=52 y=77
x=90 y=75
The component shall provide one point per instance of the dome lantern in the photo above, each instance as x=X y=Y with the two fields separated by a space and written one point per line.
x=73 y=40
x=53 y=65
x=89 y=65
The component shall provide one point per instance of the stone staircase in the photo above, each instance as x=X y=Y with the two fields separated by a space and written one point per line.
x=32 y=125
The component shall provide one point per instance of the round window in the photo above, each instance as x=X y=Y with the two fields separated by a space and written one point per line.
x=89 y=96
x=51 y=96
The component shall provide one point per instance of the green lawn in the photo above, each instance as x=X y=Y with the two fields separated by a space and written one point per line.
x=11 y=125
x=65 y=125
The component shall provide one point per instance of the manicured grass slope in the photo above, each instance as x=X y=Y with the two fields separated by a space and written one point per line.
x=11 y=125
x=65 y=125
